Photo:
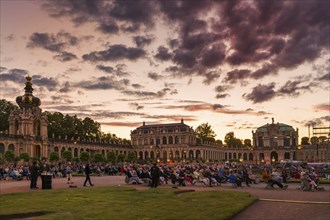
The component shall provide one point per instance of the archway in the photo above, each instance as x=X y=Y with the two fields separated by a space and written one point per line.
x=75 y=153
x=146 y=155
x=273 y=156
x=245 y=157
x=171 y=155
x=184 y=154
x=250 y=156
x=262 y=157
x=191 y=154
x=198 y=154
x=164 y=155
x=177 y=154
x=2 y=148
x=141 y=155
x=287 y=156
x=37 y=151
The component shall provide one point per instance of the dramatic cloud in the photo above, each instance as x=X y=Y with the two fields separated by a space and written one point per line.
x=13 y=75
x=135 y=106
x=114 y=53
x=52 y=42
x=119 y=70
x=222 y=91
x=163 y=54
x=292 y=88
x=155 y=76
x=216 y=108
x=142 y=41
x=47 y=82
x=144 y=94
x=261 y=93
x=104 y=83
x=65 y=56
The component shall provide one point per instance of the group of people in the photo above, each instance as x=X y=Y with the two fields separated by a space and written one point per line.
x=154 y=174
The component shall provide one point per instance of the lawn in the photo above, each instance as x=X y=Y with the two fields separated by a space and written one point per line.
x=123 y=203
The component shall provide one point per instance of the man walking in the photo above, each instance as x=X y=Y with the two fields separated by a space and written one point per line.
x=155 y=174
x=87 y=173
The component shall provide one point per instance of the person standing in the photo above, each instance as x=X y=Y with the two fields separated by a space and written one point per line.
x=87 y=173
x=34 y=173
x=155 y=174
x=69 y=173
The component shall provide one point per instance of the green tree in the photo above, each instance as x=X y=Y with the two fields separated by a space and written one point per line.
x=5 y=109
x=9 y=156
x=204 y=132
x=99 y=158
x=305 y=141
x=121 y=158
x=131 y=157
x=54 y=157
x=232 y=141
x=24 y=156
x=84 y=156
x=219 y=142
x=67 y=155
x=321 y=139
x=111 y=157
x=247 y=143
x=314 y=140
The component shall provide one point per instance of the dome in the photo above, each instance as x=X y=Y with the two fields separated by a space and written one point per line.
x=28 y=100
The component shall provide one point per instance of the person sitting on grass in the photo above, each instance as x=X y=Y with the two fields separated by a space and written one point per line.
x=271 y=182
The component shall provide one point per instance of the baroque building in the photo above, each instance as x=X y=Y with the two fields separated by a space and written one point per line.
x=162 y=142
x=275 y=142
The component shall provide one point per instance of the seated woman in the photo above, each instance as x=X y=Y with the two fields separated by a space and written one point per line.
x=131 y=177
x=234 y=179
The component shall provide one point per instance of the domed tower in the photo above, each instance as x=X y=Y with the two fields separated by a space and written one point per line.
x=29 y=119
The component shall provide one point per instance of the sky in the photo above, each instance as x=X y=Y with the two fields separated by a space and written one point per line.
x=232 y=64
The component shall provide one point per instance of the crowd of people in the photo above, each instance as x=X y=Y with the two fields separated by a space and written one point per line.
x=180 y=174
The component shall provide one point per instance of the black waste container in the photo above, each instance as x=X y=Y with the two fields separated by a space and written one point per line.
x=46 y=180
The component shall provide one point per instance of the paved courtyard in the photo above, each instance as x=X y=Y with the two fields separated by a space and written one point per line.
x=290 y=204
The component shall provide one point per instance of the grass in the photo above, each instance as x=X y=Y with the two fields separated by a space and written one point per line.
x=123 y=203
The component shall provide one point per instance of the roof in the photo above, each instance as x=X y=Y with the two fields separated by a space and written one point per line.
x=281 y=127
x=162 y=125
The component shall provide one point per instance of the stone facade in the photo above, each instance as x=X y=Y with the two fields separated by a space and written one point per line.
x=164 y=142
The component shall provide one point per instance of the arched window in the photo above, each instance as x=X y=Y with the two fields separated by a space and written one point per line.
x=170 y=140
x=11 y=147
x=250 y=156
x=245 y=156
x=164 y=140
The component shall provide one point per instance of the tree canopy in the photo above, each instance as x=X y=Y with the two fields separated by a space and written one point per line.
x=232 y=141
x=204 y=132
x=72 y=127
x=5 y=109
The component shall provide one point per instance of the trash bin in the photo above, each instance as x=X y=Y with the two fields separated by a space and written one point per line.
x=46 y=180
